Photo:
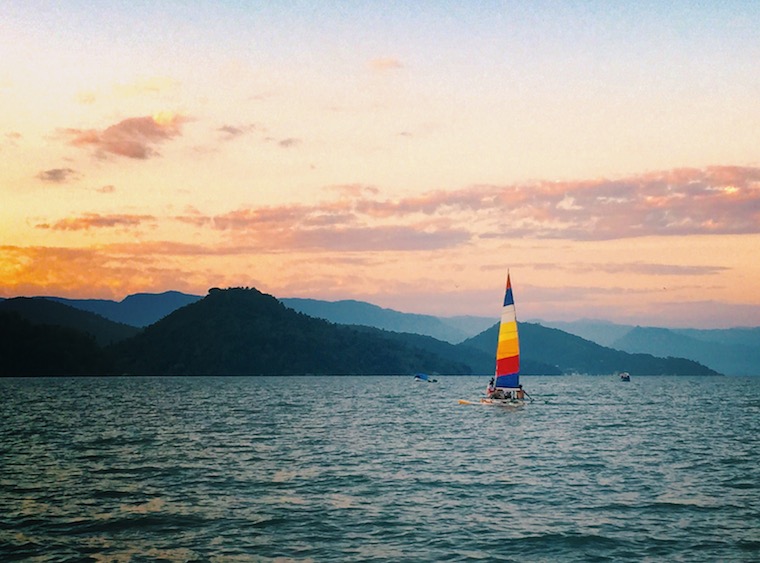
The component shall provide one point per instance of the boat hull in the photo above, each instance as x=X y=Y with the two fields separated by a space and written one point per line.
x=503 y=402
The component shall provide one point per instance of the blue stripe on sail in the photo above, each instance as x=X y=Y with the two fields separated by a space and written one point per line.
x=508 y=299
x=511 y=380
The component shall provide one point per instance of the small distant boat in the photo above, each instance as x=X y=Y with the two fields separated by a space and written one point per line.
x=424 y=378
x=504 y=389
x=625 y=376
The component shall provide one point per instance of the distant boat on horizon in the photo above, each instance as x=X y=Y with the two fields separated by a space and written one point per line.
x=423 y=377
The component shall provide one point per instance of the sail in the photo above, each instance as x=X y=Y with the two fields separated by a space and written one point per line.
x=508 y=348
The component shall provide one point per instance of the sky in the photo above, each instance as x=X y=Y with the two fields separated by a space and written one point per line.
x=606 y=154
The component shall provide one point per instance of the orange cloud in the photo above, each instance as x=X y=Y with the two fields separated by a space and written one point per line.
x=134 y=137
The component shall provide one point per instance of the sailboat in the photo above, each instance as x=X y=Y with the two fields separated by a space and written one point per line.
x=504 y=388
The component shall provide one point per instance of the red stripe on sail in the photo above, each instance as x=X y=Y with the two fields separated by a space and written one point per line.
x=506 y=366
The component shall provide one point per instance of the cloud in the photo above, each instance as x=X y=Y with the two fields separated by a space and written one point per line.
x=134 y=137
x=356 y=217
x=96 y=221
x=332 y=226
x=103 y=271
x=57 y=175
x=714 y=200
x=289 y=142
x=233 y=131
x=645 y=268
x=146 y=86
x=385 y=64
x=284 y=143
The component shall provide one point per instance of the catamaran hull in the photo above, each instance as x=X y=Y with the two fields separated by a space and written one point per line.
x=508 y=403
x=503 y=402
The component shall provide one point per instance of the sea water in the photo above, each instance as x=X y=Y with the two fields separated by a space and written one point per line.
x=378 y=469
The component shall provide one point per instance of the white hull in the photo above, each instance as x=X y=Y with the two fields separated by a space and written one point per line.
x=503 y=402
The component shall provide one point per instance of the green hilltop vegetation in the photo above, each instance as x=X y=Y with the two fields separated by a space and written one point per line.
x=241 y=331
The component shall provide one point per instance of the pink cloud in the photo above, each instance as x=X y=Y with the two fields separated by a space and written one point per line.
x=720 y=200
x=134 y=137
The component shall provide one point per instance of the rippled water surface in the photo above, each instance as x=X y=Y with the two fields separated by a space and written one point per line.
x=378 y=469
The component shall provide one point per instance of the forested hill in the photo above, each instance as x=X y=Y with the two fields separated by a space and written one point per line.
x=572 y=354
x=31 y=349
x=42 y=311
x=245 y=332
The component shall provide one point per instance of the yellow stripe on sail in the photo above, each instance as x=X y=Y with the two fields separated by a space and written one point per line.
x=507 y=349
x=508 y=342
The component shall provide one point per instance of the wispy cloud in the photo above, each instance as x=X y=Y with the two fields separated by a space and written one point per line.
x=143 y=86
x=646 y=268
x=385 y=64
x=134 y=137
x=96 y=221
x=58 y=175
x=233 y=131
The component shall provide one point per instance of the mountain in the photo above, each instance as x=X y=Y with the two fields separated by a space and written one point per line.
x=477 y=360
x=350 y=312
x=568 y=354
x=245 y=332
x=29 y=349
x=139 y=309
x=730 y=351
x=41 y=311
x=601 y=332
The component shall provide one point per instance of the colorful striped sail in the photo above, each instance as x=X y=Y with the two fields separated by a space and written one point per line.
x=508 y=349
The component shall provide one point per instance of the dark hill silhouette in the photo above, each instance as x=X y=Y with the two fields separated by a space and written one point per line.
x=38 y=310
x=245 y=332
x=139 y=309
x=479 y=361
x=572 y=354
x=29 y=349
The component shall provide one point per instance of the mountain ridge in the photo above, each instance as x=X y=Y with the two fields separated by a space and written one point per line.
x=241 y=331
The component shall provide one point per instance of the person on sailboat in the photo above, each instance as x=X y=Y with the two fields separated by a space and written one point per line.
x=520 y=394
x=491 y=389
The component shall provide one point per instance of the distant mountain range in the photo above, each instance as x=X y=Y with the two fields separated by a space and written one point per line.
x=243 y=331
x=733 y=351
x=139 y=309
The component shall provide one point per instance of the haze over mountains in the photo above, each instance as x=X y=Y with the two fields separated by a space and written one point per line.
x=545 y=350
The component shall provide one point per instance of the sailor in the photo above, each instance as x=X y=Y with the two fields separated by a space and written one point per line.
x=491 y=389
x=520 y=394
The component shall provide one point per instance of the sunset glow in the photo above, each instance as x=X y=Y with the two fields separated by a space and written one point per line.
x=404 y=155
